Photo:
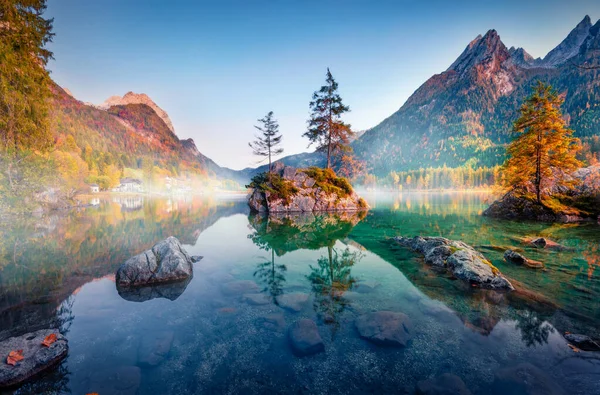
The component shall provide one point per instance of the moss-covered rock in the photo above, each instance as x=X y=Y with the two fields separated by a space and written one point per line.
x=291 y=190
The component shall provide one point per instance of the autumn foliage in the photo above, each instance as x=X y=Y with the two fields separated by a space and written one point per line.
x=542 y=156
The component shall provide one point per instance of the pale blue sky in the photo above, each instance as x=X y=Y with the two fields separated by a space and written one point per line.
x=217 y=66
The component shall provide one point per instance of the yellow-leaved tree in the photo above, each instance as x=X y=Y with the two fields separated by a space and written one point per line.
x=542 y=156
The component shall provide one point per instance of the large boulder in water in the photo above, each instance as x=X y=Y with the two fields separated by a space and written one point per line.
x=385 y=328
x=37 y=358
x=462 y=260
x=166 y=262
x=291 y=190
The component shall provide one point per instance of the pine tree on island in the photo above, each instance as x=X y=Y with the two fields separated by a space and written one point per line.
x=325 y=127
x=266 y=144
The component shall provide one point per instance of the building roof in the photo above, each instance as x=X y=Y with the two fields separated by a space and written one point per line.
x=94 y=185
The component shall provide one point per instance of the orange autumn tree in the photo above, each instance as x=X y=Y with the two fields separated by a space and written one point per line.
x=543 y=153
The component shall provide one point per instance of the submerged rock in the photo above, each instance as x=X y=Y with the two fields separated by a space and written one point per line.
x=516 y=258
x=583 y=342
x=36 y=357
x=122 y=380
x=446 y=384
x=154 y=348
x=239 y=287
x=293 y=301
x=167 y=261
x=525 y=379
x=256 y=299
x=305 y=192
x=385 y=328
x=305 y=338
x=461 y=259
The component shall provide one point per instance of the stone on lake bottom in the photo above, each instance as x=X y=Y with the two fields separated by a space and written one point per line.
x=37 y=358
x=293 y=301
x=446 y=384
x=305 y=338
x=154 y=348
x=256 y=299
x=239 y=287
x=385 y=328
x=123 y=380
x=525 y=379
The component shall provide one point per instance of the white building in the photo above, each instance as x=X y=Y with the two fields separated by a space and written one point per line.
x=94 y=188
x=129 y=185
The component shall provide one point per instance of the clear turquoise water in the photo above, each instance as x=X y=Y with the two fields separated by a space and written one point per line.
x=59 y=272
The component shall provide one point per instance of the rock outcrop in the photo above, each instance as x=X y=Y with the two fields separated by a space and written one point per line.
x=518 y=259
x=461 y=259
x=305 y=338
x=37 y=358
x=166 y=262
x=303 y=190
x=385 y=328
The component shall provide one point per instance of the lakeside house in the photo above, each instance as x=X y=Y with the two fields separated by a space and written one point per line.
x=94 y=188
x=129 y=185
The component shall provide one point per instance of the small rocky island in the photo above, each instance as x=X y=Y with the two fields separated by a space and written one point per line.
x=290 y=190
x=578 y=203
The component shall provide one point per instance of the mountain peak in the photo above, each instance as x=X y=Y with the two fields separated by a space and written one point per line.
x=486 y=49
x=138 y=98
x=569 y=47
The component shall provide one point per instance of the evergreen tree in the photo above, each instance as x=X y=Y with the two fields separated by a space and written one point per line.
x=544 y=151
x=266 y=143
x=24 y=80
x=325 y=126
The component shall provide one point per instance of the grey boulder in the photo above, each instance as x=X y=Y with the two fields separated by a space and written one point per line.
x=462 y=260
x=37 y=358
x=166 y=262
x=385 y=328
x=305 y=338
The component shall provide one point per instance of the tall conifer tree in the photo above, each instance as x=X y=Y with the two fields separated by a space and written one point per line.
x=267 y=142
x=325 y=126
x=24 y=80
x=544 y=151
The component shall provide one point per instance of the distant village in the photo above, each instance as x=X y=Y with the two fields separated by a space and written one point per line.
x=133 y=185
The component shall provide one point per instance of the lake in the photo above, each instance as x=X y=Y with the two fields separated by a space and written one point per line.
x=208 y=336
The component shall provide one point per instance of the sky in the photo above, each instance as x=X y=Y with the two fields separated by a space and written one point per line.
x=217 y=66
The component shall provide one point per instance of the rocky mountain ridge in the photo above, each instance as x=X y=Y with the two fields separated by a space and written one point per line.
x=137 y=98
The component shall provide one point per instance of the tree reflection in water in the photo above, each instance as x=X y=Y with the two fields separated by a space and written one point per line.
x=534 y=330
x=272 y=275
x=330 y=279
